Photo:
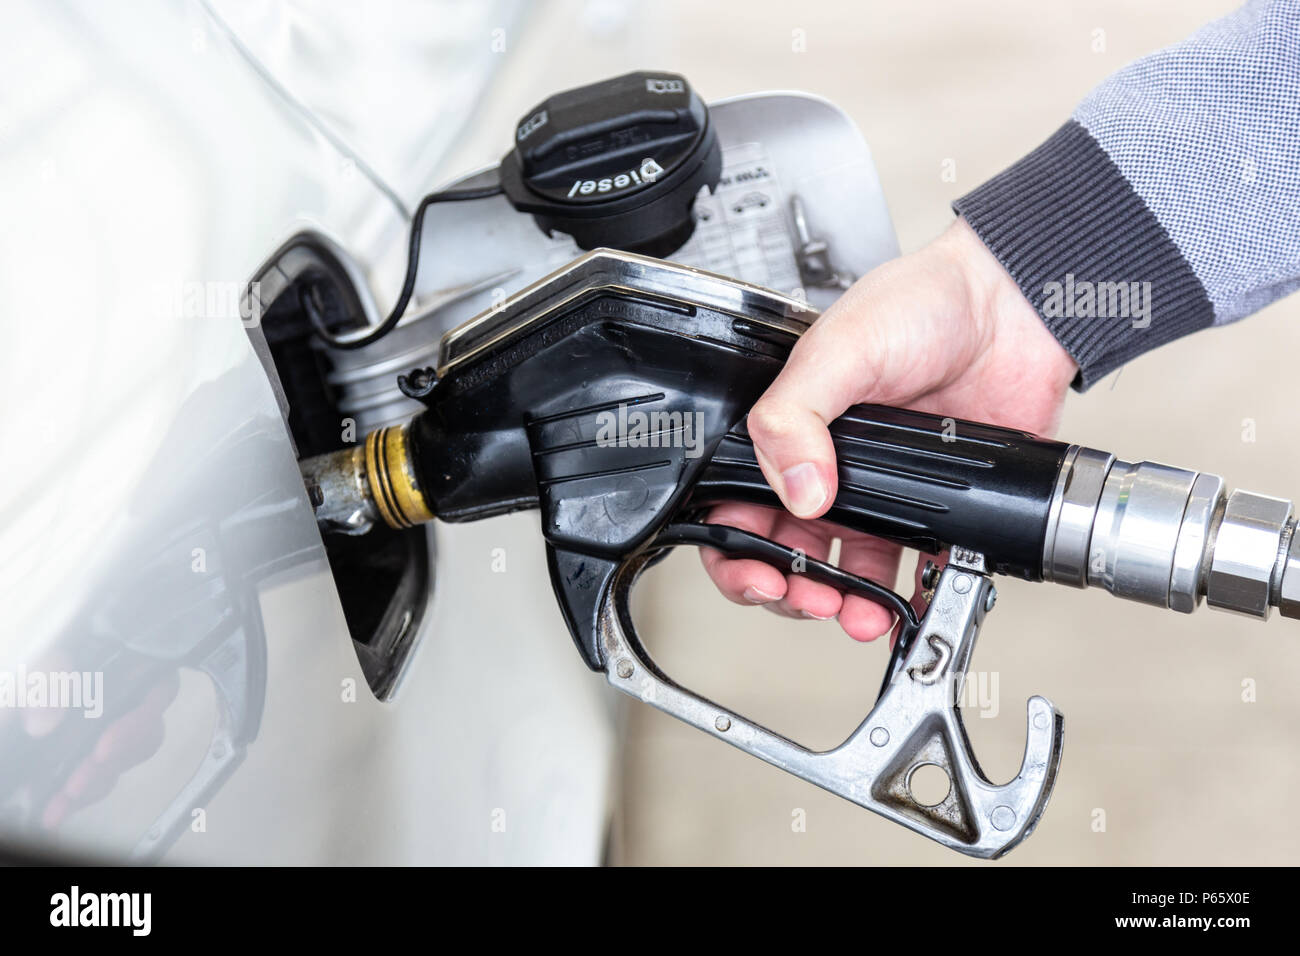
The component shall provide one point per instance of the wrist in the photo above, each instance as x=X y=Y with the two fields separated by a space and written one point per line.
x=1002 y=312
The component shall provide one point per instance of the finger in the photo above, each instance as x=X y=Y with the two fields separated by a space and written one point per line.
x=832 y=366
x=88 y=782
x=42 y=721
x=877 y=560
x=56 y=810
x=135 y=736
x=743 y=580
x=127 y=741
x=780 y=609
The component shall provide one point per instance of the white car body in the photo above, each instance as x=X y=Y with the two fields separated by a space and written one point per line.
x=160 y=555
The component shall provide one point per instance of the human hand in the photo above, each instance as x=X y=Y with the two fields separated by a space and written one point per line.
x=108 y=747
x=944 y=330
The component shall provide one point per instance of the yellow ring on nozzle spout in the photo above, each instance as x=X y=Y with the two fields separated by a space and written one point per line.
x=396 y=494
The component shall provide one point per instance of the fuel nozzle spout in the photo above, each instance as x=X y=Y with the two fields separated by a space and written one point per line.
x=1170 y=537
x=354 y=488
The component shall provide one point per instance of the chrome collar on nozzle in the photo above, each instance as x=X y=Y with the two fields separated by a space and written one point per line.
x=1168 y=536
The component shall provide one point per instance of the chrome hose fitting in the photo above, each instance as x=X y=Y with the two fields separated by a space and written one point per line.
x=1170 y=537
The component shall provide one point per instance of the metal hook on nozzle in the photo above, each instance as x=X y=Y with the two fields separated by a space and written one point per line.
x=915 y=723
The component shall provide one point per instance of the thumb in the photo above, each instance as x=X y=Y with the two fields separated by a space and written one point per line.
x=788 y=424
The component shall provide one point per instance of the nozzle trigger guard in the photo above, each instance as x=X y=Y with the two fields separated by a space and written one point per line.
x=915 y=721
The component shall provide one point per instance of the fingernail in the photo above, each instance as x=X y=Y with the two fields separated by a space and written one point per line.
x=805 y=492
x=817 y=617
x=755 y=596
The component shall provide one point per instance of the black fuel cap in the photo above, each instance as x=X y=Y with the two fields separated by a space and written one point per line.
x=617 y=163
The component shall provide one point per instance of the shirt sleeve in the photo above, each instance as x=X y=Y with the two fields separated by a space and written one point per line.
x=1169 y=202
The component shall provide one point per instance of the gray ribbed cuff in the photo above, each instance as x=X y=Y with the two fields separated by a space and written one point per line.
x=1087 y=253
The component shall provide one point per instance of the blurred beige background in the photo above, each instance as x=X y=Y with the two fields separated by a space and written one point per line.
x=1158 y=737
